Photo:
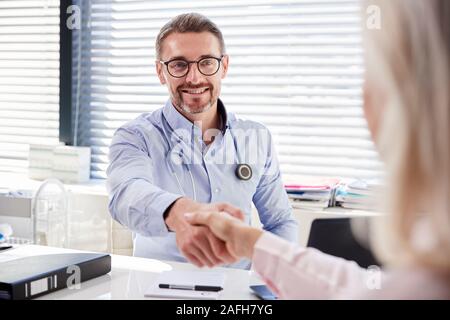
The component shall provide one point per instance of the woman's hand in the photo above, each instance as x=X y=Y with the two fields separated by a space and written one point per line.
x=239 y=238
x=197 y=243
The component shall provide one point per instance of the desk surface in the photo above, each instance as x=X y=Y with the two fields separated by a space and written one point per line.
x=131 y=276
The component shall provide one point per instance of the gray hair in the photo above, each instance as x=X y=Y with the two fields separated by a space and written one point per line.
x=188 y=22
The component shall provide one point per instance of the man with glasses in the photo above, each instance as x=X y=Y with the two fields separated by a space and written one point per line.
x=188 y=156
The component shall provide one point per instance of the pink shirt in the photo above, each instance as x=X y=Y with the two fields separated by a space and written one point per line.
x=294 y=272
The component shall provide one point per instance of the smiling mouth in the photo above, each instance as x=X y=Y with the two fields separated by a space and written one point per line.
x=197 y=91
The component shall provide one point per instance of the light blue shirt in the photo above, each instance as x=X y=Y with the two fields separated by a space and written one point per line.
x=160 y=157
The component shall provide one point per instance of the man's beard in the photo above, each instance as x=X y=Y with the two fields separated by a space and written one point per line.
x=197 y=109
x=190 y=110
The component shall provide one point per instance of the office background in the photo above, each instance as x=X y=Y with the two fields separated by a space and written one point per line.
x=295 y=65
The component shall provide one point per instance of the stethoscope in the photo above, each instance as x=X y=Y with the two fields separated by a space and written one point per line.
x=243 y=171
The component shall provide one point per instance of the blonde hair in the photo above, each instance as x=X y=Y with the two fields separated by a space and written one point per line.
x=408 y=66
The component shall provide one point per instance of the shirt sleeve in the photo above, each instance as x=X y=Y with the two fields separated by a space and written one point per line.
x=295 y=272
x=271 y=200
x=134 y=200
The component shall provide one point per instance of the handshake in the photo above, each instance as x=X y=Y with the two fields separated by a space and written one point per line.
x=211 y=234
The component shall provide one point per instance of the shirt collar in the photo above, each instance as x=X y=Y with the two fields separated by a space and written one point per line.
x=177 y=121
x=223 y=116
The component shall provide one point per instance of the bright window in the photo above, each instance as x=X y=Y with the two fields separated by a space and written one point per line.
x=295 y=66
x=29 y=79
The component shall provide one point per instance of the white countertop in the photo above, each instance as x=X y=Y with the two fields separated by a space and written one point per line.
x=131 y=276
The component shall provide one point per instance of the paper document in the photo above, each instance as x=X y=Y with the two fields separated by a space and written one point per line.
x=187 y=279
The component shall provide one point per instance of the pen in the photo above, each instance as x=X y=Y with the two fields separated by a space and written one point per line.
x=5 y=247
x=187 y=287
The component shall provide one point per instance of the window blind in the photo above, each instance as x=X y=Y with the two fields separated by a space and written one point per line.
x=29 y=79
x=295 y=65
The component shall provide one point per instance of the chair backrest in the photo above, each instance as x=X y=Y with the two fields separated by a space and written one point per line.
x=336 y=237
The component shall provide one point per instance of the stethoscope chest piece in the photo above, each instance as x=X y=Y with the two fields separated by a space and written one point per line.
x=244 y=171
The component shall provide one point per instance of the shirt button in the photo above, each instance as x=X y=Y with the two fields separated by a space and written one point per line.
x=216 y=190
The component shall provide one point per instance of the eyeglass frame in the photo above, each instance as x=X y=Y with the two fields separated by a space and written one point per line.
x=166 y=63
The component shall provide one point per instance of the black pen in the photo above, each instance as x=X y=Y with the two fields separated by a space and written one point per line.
x=188 y=287
x=5 y=247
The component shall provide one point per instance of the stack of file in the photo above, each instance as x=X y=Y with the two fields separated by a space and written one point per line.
x=357 y=194
x=312 y=196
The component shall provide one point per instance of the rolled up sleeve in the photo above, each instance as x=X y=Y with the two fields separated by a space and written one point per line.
x=134 y=200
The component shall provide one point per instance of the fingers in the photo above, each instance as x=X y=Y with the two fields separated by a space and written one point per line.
x=212 y=245
x=218 y=223
x=197 y=247
x=220 y=250
x=235 y=212
x=193 y=259
x=209 y=251
x=197 y=217
x=199 y=254
x=219 y=233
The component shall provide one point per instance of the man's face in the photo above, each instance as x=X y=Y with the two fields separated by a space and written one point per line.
x=194 y=93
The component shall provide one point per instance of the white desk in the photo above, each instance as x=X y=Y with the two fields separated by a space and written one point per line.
x=131 y=276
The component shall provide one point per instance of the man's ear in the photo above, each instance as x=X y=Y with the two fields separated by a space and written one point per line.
x=159 y=72
x=225 y=61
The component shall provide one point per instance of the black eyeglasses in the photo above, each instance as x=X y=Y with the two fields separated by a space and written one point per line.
x=207 y=66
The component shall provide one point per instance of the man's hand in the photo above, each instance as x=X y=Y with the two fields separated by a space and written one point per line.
x=198 y=243
x=239 y=238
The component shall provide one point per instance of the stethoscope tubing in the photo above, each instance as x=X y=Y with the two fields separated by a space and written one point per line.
x=238 y=172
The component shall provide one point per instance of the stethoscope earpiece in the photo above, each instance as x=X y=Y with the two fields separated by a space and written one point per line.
x=244 y=172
